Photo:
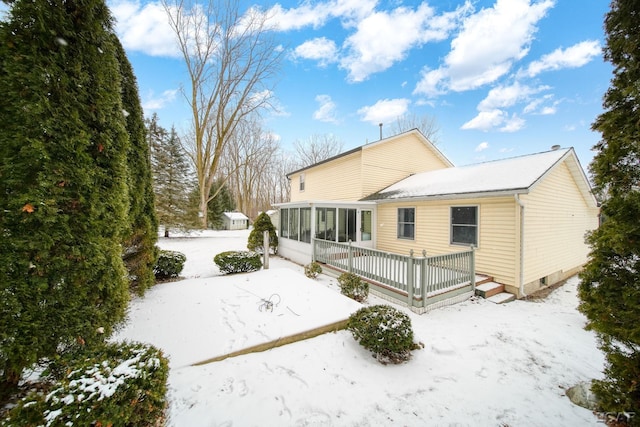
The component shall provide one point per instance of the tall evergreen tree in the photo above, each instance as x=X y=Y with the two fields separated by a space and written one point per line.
x=221 y=203
x=63 y=181
x=610 y=283
x=139 y=245
x=171 y=177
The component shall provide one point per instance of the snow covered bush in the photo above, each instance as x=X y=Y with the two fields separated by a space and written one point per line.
x=238 y=261
x=122 y=384
x=352 y=286
x=169 y=264
x=385 y=331
x=312 y=270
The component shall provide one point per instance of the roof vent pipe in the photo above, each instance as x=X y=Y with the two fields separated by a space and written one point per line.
x=555 y=147
x=380 y=130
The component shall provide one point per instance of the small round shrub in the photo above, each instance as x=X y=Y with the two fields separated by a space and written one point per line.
x=312 y=270
x=352 y=286
x=169 y=264
x=122 y=384
x=231 y=262
x=385 y=331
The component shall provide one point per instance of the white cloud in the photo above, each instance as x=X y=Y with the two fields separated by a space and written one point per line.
x=482 y=146
x=316 y=15
x=384 y=111
x=384 y=38
x=487 y=46
x=319 y=49
x=144 y=28
x=326 y=112
x=513 y=124
x=571 y=57
x=488 y=120
x=485 y=120
x=152 y=102
x=507 y=96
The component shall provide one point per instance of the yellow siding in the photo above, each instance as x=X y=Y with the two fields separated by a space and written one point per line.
x=556 y=218
x=388 y=163
x=339 y=179
x=497 y=253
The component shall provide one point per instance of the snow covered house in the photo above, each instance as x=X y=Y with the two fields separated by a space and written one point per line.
x=526 y=217
x=234 y=221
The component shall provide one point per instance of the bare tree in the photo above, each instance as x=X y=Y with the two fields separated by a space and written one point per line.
x=428 y=125
x=316 y=149
x=231 y=59
x=247 y=163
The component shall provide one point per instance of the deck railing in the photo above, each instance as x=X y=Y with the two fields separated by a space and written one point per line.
x=421 y=280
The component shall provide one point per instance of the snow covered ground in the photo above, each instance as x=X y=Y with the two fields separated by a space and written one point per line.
x=482 y=364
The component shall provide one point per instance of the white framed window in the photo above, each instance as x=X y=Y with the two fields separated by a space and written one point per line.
x=406 y=223
x=302 y=182
x=464 y=225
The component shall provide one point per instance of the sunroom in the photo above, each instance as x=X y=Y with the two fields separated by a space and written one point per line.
x=331 y=221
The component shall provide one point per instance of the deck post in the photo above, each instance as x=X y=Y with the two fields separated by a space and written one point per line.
x=350 y=259
x=423 y=281
x=410 y=278
x=473 y=267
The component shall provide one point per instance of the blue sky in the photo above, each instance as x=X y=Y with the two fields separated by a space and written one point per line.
x=501 y=77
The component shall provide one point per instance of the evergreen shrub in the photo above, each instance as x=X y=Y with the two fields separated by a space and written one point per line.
x=385 y=331
x=231 y=262
x=121 y=384
x=169 y=264
x=312 y=270
x=352 y=286
x=256 y=236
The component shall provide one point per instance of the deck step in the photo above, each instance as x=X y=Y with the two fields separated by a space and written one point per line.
x=489 y=289
x=501 y=298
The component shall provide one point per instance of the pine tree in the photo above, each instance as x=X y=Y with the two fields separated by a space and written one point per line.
x=139 y=246
x=63 y=182
x=256 y=237
x=610 y=283
x=171 y=177
x=221 y=203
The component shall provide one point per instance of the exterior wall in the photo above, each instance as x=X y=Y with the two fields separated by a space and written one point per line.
x=336 y=180
x=555 y=222
x=235 y=224
x=497 y=252
x=387 y=163
x=365 y=171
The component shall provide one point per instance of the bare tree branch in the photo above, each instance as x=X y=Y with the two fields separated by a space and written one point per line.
x=428 y=125
x=317 y=148
x=232 y=61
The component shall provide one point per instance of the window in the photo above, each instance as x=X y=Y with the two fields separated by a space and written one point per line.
x=326 y=224
x=301 y=182
x=464 y=225
x=406 y=223
x=347 y=225
x=284 y=223
x=293 y=224
x=305 y=225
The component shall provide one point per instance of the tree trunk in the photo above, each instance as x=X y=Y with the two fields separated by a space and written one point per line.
x=8 y=383
x=203 y=209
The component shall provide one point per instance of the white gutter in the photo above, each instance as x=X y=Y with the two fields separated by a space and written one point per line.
x=519 y=202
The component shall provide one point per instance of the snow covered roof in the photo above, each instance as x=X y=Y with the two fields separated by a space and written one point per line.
x=235 y=215
x=514 y=175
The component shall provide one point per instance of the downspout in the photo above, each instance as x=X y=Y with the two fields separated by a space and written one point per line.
x=521 y=279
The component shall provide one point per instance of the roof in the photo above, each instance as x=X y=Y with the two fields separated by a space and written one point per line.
x=417 y=132
x=507 y=176
x=235 y=215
